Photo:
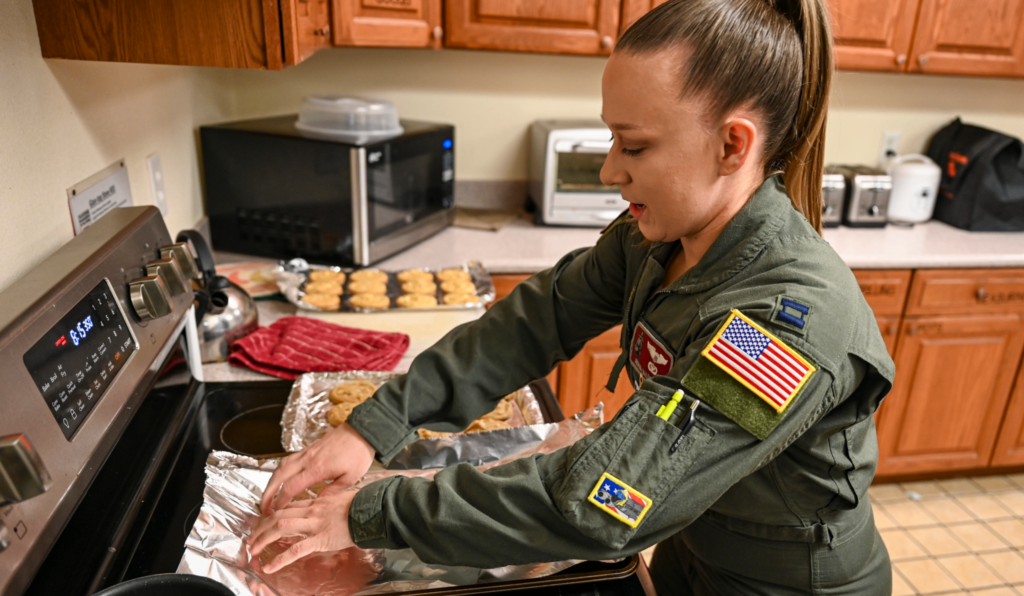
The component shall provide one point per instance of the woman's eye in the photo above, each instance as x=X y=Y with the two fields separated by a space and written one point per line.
x=631 y=152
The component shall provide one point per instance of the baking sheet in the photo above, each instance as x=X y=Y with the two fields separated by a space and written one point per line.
x=292 y=276
x=230 y=511
x=304 y=419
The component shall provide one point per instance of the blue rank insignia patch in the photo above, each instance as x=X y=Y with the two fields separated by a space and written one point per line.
x=791 y=314
x=619 y=500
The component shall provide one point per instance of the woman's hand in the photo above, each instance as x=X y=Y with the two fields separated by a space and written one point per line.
x=342 y=455
x=321 y=522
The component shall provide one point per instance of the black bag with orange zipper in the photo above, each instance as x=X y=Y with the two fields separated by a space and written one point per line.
x=982 y=188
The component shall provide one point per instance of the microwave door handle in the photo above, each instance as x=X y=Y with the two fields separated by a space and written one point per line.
x=591 y=147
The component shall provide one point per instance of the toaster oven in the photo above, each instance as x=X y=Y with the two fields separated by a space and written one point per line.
x=565 y=185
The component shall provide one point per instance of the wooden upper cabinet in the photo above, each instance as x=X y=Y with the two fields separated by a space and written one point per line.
x=970 y=37
x=224 y=33
x=388 y=23
x=953 y=381
x=306 y=26
x=634 y=9
x=563 y=27
x=873 y=34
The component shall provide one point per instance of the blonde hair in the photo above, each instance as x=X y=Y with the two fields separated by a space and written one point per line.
x=775 y=55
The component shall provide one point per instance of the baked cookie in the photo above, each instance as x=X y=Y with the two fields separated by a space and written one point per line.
x=371 y=275
x=324 y=301
x=318 y=275
x=352 y=391
x=432 y=434
x=503 y=412
x=340 y=412
x=458 y=287
x=367 y=287
x=461 y=299
x=377 y=301
x=454 y=275
x=420 y=286
x=323 y=287
x=416 y=301
x=414 y=275
x=485 y=424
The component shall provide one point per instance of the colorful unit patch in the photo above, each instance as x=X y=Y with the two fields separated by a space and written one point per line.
x=759 y=360
x=648 y=355
x=618 y=500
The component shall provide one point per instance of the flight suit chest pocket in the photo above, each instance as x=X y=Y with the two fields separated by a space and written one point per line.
x=620 y=478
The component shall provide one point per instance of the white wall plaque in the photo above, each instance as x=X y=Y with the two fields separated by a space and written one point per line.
x=95 y=196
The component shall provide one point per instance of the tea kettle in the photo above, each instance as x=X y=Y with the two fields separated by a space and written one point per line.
x=224 y=311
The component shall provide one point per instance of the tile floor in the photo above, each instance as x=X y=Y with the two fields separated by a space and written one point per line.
x=958 y=537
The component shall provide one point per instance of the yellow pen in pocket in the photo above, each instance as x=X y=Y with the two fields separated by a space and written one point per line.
x=665 y=411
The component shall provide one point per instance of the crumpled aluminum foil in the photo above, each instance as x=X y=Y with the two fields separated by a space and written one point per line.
x=230 y=511
x=291 y=275
x=304 y=419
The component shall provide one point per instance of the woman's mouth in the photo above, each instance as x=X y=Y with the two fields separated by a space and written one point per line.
x=637 y=209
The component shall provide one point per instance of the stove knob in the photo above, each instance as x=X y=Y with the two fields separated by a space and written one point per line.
x=169 y=273
x=149 y=297
x=22 y=473
x=183 y=256
x=5 y=537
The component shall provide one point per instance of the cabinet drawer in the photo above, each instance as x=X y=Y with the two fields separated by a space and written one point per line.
x=966 y=291
x=884 y=289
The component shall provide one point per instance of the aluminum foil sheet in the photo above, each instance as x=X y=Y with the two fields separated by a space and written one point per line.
x=292 y=275
x=304 y=419
x=230 y=511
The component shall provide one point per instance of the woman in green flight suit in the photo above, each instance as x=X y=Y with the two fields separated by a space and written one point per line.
x=723 y=286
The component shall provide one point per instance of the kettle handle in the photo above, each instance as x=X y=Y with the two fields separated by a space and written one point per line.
x=204 y=258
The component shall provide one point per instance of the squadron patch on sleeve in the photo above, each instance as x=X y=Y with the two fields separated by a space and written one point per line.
x=619 y=500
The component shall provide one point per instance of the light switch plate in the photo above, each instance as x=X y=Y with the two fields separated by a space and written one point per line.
x=890 y=146
x=156 y=183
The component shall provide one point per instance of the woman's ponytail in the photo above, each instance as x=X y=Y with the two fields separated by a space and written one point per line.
x=805 y=164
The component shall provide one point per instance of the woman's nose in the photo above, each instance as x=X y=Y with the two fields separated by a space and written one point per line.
x=612 y=172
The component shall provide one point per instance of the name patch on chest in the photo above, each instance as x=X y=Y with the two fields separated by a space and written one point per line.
x=649 y=355
x=619 y=500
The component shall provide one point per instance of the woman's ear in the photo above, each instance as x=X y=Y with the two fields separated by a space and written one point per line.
x=737 y=140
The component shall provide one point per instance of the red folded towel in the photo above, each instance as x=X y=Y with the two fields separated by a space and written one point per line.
x=294 y=345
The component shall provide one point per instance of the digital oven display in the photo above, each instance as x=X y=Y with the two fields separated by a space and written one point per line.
x=75 y=362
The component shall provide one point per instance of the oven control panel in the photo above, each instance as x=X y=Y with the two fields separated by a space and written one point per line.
x=78 y=358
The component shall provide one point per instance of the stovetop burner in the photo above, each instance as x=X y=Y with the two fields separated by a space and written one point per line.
x=255 y=432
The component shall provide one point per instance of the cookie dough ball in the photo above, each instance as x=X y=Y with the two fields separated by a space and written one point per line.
x=323 y=301
x=415 y=275
x=485 y=424
x=340 y=413
x=370 y=275
x=352 y=391
x=454 y=275
x=375 y=301
x=416 y=301
x=319 y=275
x=458 y=287
x=367 y=287
x=419 y=286
x=461 y=299
x=323 y=287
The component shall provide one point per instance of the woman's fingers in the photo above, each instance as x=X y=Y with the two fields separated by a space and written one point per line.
x=284 y=523
x=288 y=467
x=296 y=552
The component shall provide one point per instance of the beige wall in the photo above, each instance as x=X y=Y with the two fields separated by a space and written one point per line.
x=62 y=121
x=491 y=97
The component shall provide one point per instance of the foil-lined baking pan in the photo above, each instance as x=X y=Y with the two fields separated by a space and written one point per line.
x=215 y=547
x=293 y=275
x=304 y=419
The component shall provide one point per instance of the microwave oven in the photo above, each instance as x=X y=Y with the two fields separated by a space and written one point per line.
x=565 y=185
x=272 y=192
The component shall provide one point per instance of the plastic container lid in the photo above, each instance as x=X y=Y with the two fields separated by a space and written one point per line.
x=348 y=119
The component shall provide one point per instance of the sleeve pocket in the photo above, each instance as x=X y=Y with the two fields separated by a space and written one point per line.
x=634 y=454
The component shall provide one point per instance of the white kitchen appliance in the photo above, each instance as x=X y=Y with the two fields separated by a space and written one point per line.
x=566 y=157
x=915 y=185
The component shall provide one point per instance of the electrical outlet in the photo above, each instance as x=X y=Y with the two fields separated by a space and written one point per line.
x=890 y=146
x=156 y=183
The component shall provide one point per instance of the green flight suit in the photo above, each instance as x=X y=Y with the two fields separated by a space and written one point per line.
x=751 y=502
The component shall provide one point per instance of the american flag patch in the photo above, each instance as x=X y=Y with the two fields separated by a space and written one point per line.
x=759 y=360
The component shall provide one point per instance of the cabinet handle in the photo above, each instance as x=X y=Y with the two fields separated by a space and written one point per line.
x=891 y=330
x=982 y=294
x=324 y=31
x=438 y=32
x=607 y=42
x=901 y=59
x=923 y=60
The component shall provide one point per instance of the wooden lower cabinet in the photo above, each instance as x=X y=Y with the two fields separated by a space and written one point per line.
x=953 y=380
x=1010 y=446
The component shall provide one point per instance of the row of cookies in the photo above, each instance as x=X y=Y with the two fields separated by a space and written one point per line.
x=368 y=289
